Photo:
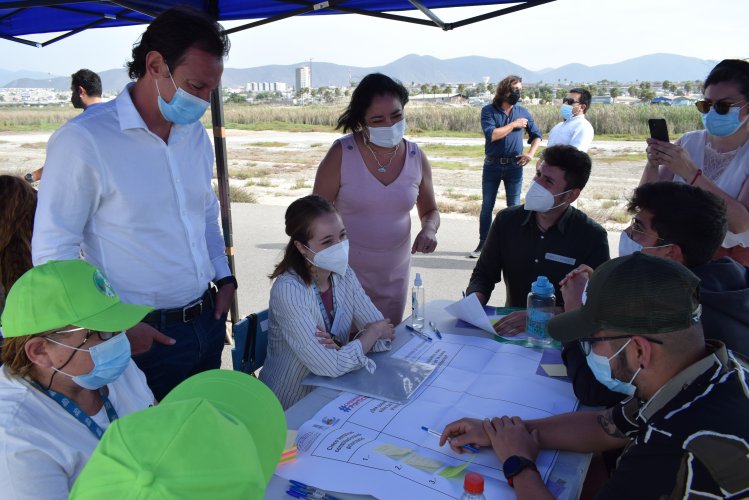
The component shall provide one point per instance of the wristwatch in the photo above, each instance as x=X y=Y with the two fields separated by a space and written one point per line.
x=514 y=465
x=225 y=281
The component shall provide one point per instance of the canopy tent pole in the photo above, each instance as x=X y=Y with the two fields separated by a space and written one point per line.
x=431 y=15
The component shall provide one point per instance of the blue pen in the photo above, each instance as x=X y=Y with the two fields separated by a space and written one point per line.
x=435 y=433
x=438 y=334
x=310 y=491
x=419 y=333
x=295 y=494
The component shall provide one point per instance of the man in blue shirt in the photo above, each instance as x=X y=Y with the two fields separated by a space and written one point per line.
x=503 y=122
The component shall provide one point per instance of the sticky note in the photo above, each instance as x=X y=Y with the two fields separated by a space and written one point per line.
x=423 y=463
x=455 y=470
x=290 y=439
x=555 y=370
x=392 y=451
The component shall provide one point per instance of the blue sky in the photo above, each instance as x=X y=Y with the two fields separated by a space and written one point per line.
x=565 y=31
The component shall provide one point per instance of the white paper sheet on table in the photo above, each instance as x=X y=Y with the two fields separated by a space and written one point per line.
x=470 y=310
x=361 y=445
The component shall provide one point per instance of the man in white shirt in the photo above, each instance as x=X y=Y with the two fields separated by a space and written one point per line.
x=128 y=185
x=575 y=130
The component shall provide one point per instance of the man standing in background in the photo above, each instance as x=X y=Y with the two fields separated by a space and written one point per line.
x=503 y=122
x=575 y=130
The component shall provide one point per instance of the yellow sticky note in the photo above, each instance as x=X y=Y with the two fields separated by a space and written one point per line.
x=290 y=439
x=422 y=462
x=555 y=370
x=392 y=451
x=454 y=470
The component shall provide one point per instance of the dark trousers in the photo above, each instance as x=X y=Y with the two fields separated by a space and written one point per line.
x=493 y=174
x=198 y=348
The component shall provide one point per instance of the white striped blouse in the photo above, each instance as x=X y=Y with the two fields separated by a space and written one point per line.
x=293 y=349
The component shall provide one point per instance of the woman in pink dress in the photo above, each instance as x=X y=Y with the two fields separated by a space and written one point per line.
x=375 y=177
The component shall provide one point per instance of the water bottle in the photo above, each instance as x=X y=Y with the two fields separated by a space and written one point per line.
x=473 y=487
x=541 y=302
x=417 y=303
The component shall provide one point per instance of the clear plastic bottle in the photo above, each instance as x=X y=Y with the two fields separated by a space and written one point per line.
x=473 y=487
x=541 y=303
x=417 y=303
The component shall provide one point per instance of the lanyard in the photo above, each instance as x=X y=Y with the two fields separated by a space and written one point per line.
x=325 y=317
x=79 y=414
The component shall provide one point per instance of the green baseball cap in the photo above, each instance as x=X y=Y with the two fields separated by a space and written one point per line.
x=218 y=435
x=638 y=294
x=59 y=293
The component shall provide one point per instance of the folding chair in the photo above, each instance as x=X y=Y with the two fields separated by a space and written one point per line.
x=250 y=342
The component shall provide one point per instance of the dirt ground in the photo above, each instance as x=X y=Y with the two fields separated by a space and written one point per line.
x=273 y=168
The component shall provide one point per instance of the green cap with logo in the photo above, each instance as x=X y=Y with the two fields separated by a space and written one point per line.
x=218 y=435
x=638 y=294
x=59 y=293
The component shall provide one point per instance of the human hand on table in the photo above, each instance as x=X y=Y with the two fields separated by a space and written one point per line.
x=425 y=241
x=465 y=431
x=512 y=324
x=509 y=436
x=671 y=156
x=573 y=285
x=326 y=339
x=383 y=328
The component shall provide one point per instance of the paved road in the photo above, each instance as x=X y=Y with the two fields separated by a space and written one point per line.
x=259 y=240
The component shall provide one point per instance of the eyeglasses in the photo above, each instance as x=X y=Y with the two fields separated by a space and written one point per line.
x=721 y=107
x=586 y=343
x=570 y=101
x=103 y=336
x=636 y=226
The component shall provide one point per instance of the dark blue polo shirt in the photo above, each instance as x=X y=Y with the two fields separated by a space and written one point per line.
x=512 y=144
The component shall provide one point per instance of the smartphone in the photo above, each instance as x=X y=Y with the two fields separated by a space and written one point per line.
x=658 y=129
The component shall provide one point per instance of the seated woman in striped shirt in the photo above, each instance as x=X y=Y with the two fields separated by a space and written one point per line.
x=314 y=302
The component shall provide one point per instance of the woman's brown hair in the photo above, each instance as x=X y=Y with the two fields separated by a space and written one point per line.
x=300 y=216
x=504 y=89
x=17 y=207
x=14 y=352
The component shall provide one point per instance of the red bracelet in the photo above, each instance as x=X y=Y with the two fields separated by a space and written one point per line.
x=694 y=179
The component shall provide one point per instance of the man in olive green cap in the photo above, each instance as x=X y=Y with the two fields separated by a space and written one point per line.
x=218 y=435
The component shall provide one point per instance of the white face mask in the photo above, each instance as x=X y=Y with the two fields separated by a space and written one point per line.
x=333 y=259
x=540 y=199
x=628 y=246
x=387 y=137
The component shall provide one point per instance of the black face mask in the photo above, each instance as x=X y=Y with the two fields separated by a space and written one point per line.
x=513 y=98
x=77 y=101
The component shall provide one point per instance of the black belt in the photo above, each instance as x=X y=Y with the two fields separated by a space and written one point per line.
x=184 y=314
x=500 y=159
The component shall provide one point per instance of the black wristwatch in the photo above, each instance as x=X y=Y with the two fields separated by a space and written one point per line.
x=226 y=281
x=515 y=465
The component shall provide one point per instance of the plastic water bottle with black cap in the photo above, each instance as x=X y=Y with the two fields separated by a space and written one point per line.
x=541 y=303
x=417 y=303
x=473 y=487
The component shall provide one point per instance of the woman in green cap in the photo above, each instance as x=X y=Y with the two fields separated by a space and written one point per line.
x=67 y=374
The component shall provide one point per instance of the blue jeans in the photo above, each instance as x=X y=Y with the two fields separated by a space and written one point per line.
x=198 y=348
x=494 y=173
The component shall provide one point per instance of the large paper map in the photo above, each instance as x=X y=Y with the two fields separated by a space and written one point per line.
x=362 y=445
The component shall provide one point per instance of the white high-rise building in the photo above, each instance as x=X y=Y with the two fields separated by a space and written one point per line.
x=303 y=77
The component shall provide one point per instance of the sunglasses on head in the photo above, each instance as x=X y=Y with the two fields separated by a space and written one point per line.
x=721 y=107
x=570 y=101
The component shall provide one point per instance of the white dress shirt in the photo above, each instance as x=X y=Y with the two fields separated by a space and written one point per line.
x=576 y=132
x=293 y=349
x=141 y=210
x=43 y=448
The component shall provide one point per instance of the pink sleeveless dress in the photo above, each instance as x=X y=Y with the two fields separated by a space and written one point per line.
x=378 y=223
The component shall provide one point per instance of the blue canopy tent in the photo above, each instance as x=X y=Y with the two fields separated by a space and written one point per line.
x=19 y=18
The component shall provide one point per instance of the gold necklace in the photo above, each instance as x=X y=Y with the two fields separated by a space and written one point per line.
x=382 y=168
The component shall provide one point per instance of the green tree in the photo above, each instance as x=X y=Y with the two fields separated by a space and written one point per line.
x=561 y=93
x=461 y=89
x=666 y=85
x=615 y=92
x=647 y=95
x=447 y=89
x=424 y=88
x=688 y=87
x=236 y=98
x=633 y=91
x=490 y=87
x=434 y=90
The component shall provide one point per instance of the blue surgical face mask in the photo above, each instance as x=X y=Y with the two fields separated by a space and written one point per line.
x=110 y=358
x=566 y=111
x=601 y=368
x=722 y=125
x=184 y=108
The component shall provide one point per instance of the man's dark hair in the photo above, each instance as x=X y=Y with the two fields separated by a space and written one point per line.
x=504 y=89
x=575 y=164
x=585 y=97
x=172 y=33
x=686 y=215
x=730 y=70
x=87 y=79
x=374 y=84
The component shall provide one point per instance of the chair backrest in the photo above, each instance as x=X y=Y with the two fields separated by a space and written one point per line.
x=250 y=342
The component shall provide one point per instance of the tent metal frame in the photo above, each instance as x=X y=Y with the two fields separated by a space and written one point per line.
x=217 y=108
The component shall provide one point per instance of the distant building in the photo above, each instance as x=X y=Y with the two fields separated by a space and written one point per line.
x=602 y=99
x=303 y=78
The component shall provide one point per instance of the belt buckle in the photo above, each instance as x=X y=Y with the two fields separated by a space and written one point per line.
x=189 y=307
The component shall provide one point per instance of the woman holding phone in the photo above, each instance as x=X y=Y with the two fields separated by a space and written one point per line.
x=715 y=159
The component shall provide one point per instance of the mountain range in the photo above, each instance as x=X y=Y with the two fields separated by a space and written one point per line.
x=419 y=69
